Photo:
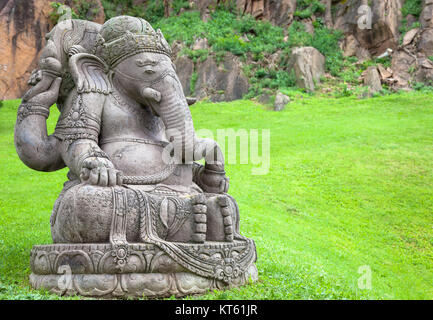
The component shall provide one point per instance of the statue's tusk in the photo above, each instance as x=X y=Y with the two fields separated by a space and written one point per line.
x=151 y=94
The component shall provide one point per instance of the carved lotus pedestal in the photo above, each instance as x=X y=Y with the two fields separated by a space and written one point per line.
x=93 y=270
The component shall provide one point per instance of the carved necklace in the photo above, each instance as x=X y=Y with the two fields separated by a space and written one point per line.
x=153 y=123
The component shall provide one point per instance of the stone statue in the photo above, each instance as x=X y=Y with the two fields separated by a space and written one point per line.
x=138 y=215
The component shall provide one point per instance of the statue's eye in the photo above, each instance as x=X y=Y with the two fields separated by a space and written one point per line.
x=147 y=62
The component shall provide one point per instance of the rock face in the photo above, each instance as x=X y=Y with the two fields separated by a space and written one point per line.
x=184 y=69
x=426 y=17
x=23 y=25
x=279 y=12
x=309 y=65
x=224 y=82
x=385 y=21
x=425 y=44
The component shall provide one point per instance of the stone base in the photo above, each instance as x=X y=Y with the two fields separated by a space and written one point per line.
x=90 y=270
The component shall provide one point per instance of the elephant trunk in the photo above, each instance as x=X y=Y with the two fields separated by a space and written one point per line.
x=176 y=116
x=34 y=147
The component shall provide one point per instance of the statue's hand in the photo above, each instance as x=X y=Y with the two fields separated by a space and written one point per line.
x=99 y=172
x=45 y=90
x=214 y=182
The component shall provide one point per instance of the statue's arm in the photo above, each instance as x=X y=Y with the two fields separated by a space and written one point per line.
x=78 y=129
x=211 y=177
x=34 y=146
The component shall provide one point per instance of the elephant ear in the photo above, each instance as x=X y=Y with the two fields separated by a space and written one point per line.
x=90 y=73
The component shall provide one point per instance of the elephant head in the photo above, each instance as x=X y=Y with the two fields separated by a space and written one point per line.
x=150 y=79
x=139 y=62
x=131 y=57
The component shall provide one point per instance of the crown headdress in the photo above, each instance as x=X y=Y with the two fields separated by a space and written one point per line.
x=124 y=36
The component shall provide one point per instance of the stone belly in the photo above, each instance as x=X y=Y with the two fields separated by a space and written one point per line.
x=134 y=158
x=143 y=159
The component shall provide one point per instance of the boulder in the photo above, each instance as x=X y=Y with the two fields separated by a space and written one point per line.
x=425 y=43
x=308 y=24
x=223 y=82
x=184 y=70
x=425 y=71
x=409 y=36
x=401 y=63
x=265 y=97
x=350 y=46
x=281 y=100
x=363 y=54
x=426 y=17
x=384 y=73
x=372 y=80
x=200 y=44
x=309 y=66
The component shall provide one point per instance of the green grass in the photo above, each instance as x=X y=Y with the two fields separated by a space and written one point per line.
x=350 y=184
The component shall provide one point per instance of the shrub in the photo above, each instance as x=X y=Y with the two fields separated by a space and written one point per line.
x=413 y=7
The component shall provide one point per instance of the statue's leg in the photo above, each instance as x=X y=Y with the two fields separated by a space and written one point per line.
x=214 y=218
x=85 y=214
x=90 y=214
x=222 y=218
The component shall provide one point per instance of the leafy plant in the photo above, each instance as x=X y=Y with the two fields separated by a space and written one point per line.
x=306 y=8
x=413 y=7
x=59 y=10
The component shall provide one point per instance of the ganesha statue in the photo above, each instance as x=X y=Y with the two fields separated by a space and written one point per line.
x=139 y=216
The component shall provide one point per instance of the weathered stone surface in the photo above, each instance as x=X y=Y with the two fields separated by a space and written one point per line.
x=425 y=71
x=149 y=272
x=350 y=46
x=265 y=97
x=279 y=12
x=281 y=100
x=184 y=69
x=205 y=7
x=401 y=63
x=425 y=44
x=409 y=36
x=130 y=212
x=426 y=17
x=200 y=44
x=176 y=48
x=384 y=73
x=372 y=79
x=23 y=25
x=309 y=66
x=224 y=82
x=386 y=17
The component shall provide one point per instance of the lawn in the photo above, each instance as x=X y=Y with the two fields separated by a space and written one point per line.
x=350 y=185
